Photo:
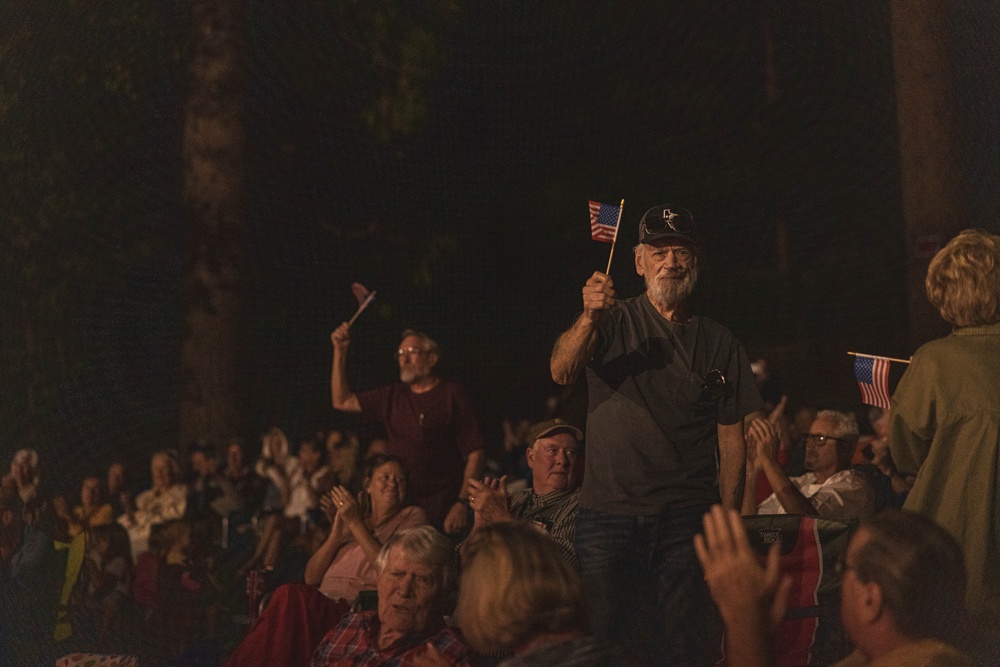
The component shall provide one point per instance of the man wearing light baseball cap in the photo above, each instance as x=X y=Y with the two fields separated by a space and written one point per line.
x=668 y=391
x=551 y=502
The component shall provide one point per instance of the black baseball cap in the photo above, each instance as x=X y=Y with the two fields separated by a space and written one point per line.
x=667 y=222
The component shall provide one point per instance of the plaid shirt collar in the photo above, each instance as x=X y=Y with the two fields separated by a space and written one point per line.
x=355 y=642
x=551 y=497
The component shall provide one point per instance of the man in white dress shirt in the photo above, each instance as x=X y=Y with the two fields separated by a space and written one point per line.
x=830 y=489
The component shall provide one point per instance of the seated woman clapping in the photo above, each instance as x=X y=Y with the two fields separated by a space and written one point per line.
x=297 y=617
x=344 y=564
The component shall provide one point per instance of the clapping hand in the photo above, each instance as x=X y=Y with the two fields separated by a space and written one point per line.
x=744 y=591
x=488 y=500
x=345 y=504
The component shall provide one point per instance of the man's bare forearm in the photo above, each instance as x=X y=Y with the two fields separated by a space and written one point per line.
x=749 y=505
x=474 y=465
x=573 y=349
x=787 y=493
x=340 y=391
x=732 y=461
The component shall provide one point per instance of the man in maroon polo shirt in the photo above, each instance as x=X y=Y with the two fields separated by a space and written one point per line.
x=430 y=423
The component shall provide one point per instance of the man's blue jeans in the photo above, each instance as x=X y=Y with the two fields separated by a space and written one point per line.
x=645 y=588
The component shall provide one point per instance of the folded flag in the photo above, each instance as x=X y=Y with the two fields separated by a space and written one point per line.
x=361 y=293
x=872 y=374
x=603 y=221
x=364 y=298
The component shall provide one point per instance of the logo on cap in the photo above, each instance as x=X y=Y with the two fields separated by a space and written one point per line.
x=668 y=218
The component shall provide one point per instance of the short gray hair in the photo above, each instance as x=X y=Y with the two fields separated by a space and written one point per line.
x=430 y=345
x=425 y=545
x=845 y=424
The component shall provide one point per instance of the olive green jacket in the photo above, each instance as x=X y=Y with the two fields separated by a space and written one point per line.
x=945 y=427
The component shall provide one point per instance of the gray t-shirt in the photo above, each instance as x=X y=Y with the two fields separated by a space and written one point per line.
x=652 y=427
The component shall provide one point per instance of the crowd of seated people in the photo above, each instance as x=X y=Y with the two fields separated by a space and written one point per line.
x=154 y=579
x=91 y=562
x=158 y=580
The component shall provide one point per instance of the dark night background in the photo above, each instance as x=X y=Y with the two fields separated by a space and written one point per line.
x=460 y=195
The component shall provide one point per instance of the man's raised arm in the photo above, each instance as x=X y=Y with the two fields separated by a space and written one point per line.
x=766 y=447
x=340 y=392
x=575 y=347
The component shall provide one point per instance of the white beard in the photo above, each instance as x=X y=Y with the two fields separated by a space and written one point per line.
x=409 y=376
x=667 y=292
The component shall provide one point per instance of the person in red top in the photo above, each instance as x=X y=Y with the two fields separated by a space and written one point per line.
x=430 y=423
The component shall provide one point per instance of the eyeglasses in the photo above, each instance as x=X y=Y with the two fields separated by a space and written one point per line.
x=819 y=439
x=389 y=477
x=406 y=352
x=677 y=220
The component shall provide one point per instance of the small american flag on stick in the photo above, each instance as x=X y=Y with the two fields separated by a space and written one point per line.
x=872 y=374
x=603 y=222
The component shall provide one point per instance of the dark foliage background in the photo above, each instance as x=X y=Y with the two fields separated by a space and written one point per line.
x=443 y=153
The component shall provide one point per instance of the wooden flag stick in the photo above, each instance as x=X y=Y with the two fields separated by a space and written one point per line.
x=873 y=356
x=614 y=239
x=361 y=307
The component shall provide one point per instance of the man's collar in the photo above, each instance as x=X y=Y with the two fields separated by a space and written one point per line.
x=551 y=496
x=425 y=385
x=680 y=314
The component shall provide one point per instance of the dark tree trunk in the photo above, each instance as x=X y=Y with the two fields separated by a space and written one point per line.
x=932 y=187
x=215 y=209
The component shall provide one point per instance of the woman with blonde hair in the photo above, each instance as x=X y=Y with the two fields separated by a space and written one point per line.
x=945 y=416
x=519 y=595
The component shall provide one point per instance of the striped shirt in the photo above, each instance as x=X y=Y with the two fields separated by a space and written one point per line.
x=554 y=512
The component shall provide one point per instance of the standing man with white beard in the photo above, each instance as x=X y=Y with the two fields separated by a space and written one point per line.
x=430 y=423
x=668 y=394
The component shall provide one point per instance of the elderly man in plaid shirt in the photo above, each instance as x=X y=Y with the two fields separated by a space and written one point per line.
x=416 y=571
